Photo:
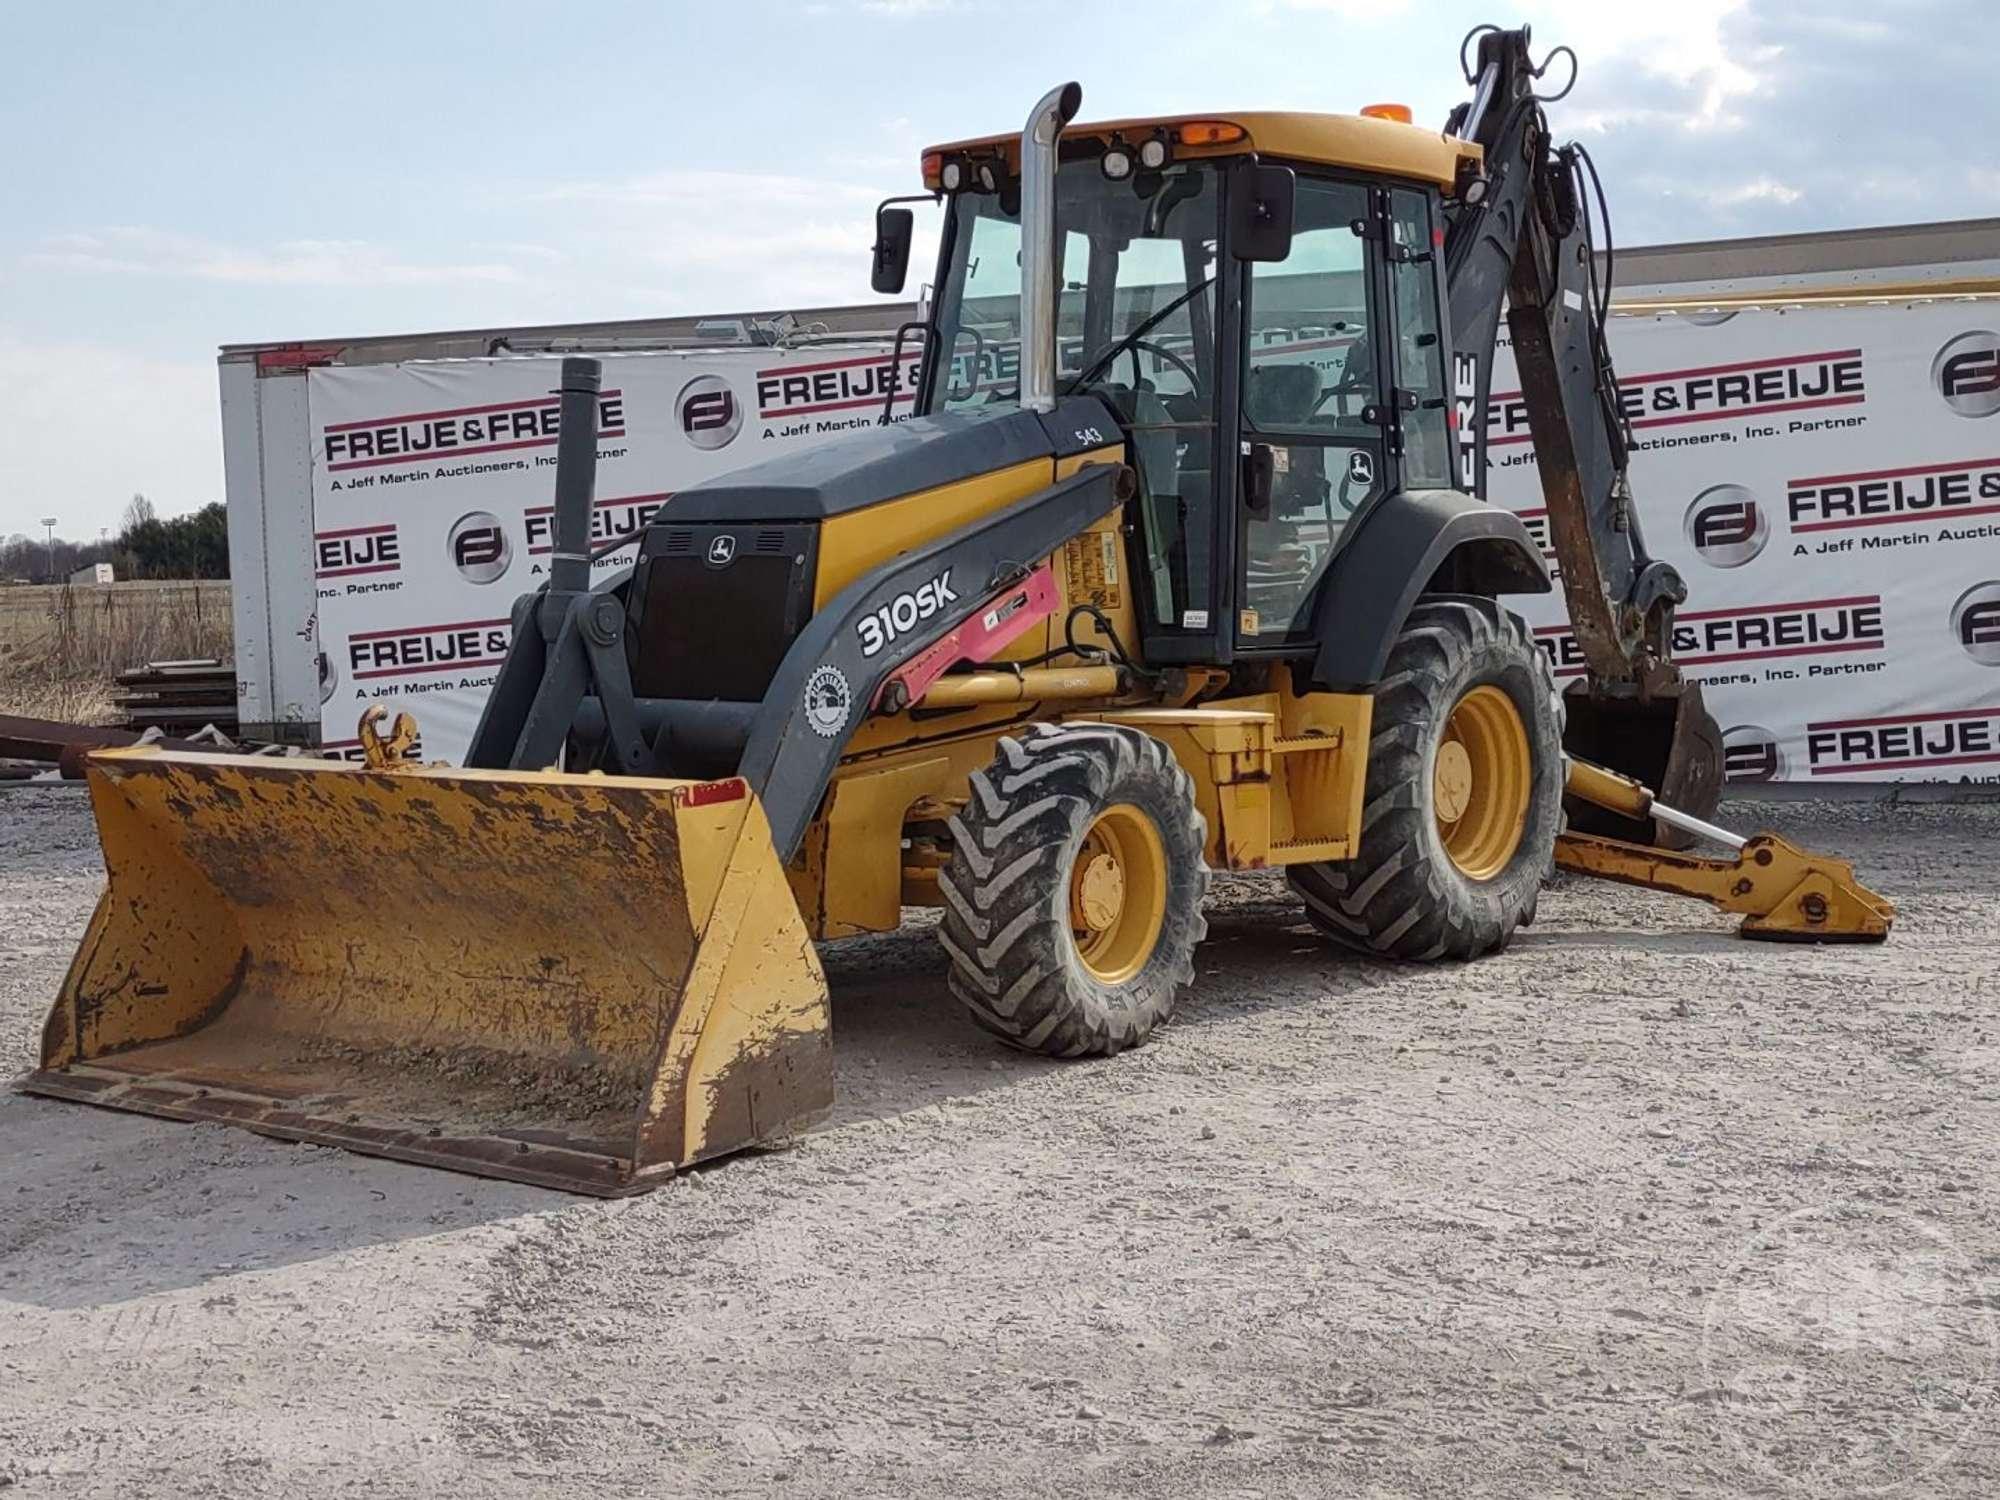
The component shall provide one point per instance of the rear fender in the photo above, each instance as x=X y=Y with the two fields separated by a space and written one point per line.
x=1417 y=542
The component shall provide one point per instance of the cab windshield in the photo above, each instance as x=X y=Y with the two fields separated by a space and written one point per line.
x=1135 y=309
x=1135 y=326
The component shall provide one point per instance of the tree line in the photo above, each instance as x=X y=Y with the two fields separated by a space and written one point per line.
x=147 y=545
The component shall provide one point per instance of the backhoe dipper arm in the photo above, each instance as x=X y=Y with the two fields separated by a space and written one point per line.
x=1526 y=236
x=1519 y=230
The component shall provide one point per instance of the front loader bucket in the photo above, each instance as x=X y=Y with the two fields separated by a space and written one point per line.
x=576 y=981
x=1670 y=743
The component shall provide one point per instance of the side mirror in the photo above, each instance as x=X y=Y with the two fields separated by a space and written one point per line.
x=1260 y=210
x=1260 y=471
x=894 y=228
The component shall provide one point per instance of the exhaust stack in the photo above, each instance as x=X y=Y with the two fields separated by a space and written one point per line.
x=1039 y=140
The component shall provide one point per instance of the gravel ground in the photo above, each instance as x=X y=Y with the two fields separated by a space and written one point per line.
x=1634 y=1208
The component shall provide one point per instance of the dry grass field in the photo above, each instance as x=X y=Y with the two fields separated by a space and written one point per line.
x=61 y=647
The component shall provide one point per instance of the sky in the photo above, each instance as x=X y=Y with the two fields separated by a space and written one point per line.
x=180 y=176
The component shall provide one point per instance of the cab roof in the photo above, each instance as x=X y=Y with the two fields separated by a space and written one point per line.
x=1360 y=142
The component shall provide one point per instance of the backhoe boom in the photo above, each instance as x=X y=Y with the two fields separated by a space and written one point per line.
x=1522 y=233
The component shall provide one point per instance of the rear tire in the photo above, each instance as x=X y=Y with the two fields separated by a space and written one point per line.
x=1439 y=873
x=1073 y=895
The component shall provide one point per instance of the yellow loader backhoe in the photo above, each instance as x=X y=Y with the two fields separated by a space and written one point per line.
x=1182 y=565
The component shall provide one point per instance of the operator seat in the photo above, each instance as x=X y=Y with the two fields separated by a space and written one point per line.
x=1282 y=397
x=1281 y=559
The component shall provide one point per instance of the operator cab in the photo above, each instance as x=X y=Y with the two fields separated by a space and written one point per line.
x=1259 y=298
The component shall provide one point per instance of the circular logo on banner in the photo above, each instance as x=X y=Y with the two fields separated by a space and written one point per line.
x=1750 y=752
x=708 y=412
x=828 y=701
x=329 y=678
x=1975 y=623
x=479 y=547
x=1726 y=526
x=1966 y=373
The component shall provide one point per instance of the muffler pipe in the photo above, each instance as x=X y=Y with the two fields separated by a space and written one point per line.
x=576 y=474
x=1039 y=264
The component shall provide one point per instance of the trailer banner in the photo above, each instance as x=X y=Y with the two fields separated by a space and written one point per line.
x=432 y=485
x=1827 y=480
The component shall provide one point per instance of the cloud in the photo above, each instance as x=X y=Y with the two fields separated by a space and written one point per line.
x=132 y=250
x=703 y=240
x=689 y=187
x=1761 y=189
x=88 y=425
x=1766 y=116
x=1347 y=10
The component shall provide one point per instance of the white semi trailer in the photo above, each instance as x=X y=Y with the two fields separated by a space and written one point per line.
x=1816 y=419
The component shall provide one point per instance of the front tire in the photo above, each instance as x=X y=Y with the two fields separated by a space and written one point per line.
x=1073 y=895
x=1464 y=794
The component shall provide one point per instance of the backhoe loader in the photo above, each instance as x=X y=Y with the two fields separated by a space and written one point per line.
x=1182 y=564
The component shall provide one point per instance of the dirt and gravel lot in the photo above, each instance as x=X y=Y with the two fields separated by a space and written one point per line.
x=1633 y=1209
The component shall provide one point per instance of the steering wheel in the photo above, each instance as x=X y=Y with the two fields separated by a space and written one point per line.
x=1160 y=351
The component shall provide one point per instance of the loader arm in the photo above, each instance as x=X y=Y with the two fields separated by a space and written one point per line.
x=1521 y=233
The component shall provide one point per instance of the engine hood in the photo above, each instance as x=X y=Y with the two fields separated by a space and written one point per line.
x=865 y=468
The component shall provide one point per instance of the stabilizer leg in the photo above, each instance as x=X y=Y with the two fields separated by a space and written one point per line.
x=1785 y=893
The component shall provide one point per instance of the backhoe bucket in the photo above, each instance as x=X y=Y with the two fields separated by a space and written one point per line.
x=575 y=981
x=1671 y=744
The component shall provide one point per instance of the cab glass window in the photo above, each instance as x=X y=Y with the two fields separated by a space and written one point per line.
x=1419 y=347
x=1310 y=374
x=1311 y=357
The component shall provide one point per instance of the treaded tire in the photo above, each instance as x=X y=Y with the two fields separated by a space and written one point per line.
x=1014 y=959
x=1401 y=896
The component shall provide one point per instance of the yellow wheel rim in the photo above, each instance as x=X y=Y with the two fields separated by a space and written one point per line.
x=1118 y=893
x=1482 y=779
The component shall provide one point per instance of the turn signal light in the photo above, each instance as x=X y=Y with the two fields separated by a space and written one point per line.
x=1400 y=113
x=1211 y=133
x=933 y=163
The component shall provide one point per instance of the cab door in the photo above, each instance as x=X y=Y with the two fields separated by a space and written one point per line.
x=1343 y=398
x=1312 y=450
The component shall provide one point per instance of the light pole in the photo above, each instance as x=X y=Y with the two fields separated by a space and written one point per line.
x=50 y=522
